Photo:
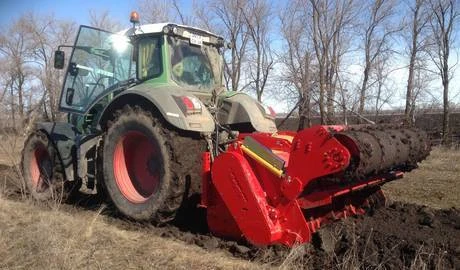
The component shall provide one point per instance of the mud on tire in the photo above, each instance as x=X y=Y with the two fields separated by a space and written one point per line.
x=141 y=172
x=43 y=171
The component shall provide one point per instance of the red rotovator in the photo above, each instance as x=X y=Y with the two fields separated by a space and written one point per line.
x=268 y=188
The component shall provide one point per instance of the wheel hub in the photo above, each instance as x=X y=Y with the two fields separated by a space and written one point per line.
x=41 y=169
x=137 y=163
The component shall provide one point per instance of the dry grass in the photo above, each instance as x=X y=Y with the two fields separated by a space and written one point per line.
x=32 y=237
x=10 y=149
x=434 y=183
x=11 y=180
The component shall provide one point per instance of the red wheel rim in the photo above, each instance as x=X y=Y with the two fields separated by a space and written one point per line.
x=137 y=165
x=40 y=168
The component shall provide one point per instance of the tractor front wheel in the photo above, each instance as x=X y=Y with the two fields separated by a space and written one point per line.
x=42 y=169
x=137 y=165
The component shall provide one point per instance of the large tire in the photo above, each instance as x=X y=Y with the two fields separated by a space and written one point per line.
x=142 y=174
x=42 y=169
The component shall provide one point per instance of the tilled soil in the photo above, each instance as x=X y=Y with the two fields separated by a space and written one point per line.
x=399 y=236
x=395 y=237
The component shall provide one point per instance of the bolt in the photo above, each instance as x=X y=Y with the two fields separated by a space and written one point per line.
x=272 y=214
x=307 y=147
x=296 y=145
x=338 y=157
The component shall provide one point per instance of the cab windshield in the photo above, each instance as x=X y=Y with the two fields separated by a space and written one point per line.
x=100 y=62
x=196 y=66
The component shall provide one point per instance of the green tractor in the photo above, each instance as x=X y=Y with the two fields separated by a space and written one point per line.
x=143 y=105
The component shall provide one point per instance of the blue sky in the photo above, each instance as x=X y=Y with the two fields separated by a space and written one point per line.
x=76 y=10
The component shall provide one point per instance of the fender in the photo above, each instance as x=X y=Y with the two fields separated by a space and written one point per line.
x=161 y=99
x=238 y=108
x=63 y=136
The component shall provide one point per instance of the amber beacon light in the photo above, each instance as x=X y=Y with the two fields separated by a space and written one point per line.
x=134 y=17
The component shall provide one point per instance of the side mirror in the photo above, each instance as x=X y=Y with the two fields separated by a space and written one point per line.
x=69 y=96
x=59 y=58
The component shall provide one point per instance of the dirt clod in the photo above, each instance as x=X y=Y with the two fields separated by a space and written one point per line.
x=240 y=249
x=457 y=251
x=427 y=217
x=210 y=243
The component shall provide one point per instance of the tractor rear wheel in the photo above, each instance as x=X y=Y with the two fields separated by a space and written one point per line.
x=140 y=171
x=43 y=171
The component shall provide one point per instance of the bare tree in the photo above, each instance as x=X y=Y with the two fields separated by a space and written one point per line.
x=379 y=26
x=203 y=18
x=156 y=11
x=422 y=91
x=443 y=22
x=297 y=60
x=383 y=94
x=33 y=84
x=4 y=80
x=417 y=43
x=187 y=19
x=321 y=43
x=46 y=34
x=347 y=97
x=330 y=20
x=14 y=51
x=161 y=11
x=258 y=15
x=226 y=18
x=317 y=39
x=103 y=20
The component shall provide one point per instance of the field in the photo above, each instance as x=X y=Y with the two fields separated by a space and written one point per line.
x=434 y=184
x=419 y=229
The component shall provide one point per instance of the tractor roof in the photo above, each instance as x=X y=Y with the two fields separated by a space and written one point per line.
x=158 y=28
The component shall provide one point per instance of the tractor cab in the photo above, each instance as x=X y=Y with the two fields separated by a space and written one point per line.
x=103 y=64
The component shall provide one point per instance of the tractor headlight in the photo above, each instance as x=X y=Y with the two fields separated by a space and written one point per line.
x=166 y=29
